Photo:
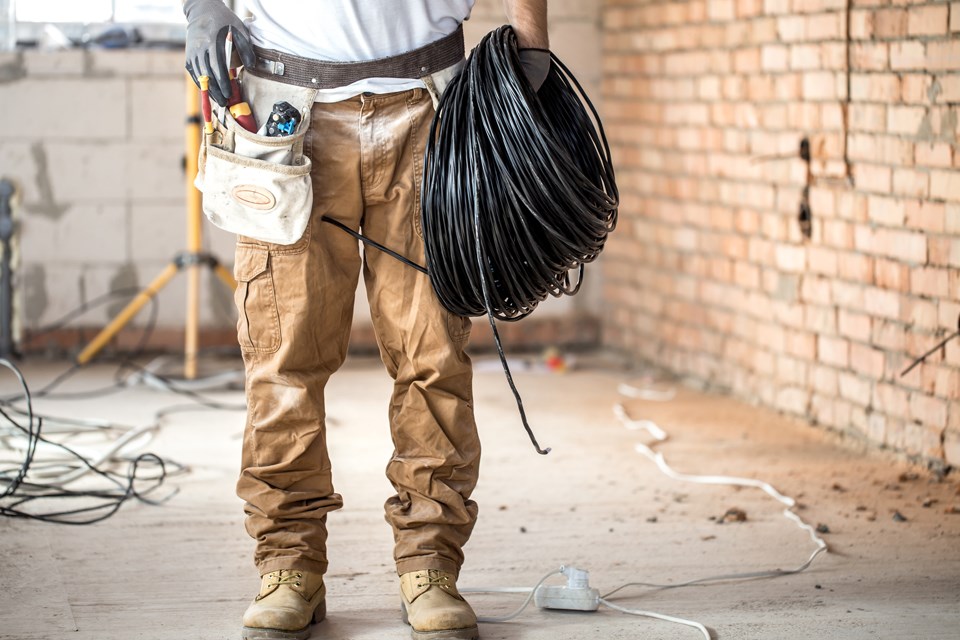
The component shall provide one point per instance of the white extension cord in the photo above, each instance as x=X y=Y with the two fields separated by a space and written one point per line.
x=578 y=595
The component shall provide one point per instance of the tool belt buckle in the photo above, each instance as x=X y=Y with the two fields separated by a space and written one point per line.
x=271 y=66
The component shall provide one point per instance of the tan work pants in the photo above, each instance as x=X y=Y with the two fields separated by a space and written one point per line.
x=296 y=306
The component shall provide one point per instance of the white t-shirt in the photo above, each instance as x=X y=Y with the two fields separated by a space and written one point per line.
x=354 y=31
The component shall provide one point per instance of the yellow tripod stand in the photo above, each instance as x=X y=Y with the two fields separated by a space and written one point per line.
x=192 y=260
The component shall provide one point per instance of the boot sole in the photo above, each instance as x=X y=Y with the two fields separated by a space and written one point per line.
x=467 y=633
x=257 y=633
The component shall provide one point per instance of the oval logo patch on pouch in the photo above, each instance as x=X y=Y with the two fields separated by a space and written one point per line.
x=255 y=197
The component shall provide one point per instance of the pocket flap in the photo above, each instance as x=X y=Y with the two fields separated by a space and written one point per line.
x=251 y=261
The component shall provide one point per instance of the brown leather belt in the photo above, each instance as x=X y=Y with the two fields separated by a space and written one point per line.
x=319 y=74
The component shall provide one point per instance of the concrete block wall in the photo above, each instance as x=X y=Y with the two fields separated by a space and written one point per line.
x=709 y=274
x=95 y=140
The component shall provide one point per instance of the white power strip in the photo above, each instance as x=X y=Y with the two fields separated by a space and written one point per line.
x=576 y=595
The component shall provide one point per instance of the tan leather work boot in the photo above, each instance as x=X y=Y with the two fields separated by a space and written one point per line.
x=288 y=602
x=434 y=608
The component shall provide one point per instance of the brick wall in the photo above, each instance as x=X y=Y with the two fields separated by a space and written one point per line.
x=706 y=104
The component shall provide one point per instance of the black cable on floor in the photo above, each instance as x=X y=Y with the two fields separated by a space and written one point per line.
x=19 y=491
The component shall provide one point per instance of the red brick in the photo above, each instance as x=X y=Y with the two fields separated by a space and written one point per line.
x=905 y=120
x=821 y=261
x=774 y=7
x=820 y=85
x=933 y=154
x=801 y=344
x=911 y=247
x=868 y=117
x=908 y=55
x=945 y=185
x=919 y=313
x=805 y=57
x=943 y=54
x=825 y=26
x=855 y=389
x=871 y=177
x=867 y=360
x=927 y=20
x=855 y=326
x=887 y=211
x=861 y=24
x=833 y=56
x=835 y=351
x=890 y=399
x=791 y=28
x=749 y=8
x=949 y=88
x=948 y=315
x=888 y=335
x=882 y=149
x=915 y=88
x=721 y=10
x=870 y=56
x=951 y=221
x=856 y=267
x=774 y=58
x=891 y=274
x=820 y=319
x=928 y=410
x=890 y=23
x=881 y=302
x=911 y=182
x=955 y=16
x=824 y=380
x=816 y=290
x=931 y=282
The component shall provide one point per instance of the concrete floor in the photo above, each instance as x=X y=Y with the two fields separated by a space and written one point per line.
x=183 y=570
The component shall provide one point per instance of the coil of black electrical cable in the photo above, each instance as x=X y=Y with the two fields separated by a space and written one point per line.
x=518 y=189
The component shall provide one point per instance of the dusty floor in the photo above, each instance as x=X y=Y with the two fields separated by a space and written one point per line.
x=182 y=570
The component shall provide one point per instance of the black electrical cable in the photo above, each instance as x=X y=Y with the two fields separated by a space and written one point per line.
x=518 y=189
x=20 y=492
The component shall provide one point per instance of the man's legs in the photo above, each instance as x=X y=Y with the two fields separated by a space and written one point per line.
x=436 y=448
x=296 y=308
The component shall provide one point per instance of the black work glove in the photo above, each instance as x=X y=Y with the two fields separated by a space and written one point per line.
x=536 y=66
x=208 y=22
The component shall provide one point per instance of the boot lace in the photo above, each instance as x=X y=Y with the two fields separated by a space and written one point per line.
x=432 y=578
x=284 y=577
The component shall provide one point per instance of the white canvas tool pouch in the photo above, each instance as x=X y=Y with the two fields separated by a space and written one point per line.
x=253 y=185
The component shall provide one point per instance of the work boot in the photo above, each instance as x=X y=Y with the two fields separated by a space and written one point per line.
x=434 y=608
x=289 y=601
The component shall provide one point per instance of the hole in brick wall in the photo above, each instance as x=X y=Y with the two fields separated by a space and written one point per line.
x=805 y=216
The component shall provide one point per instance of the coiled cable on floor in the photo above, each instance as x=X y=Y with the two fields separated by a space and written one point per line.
x=518 y=189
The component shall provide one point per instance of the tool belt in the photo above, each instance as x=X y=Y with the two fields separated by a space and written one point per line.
x=318 y=74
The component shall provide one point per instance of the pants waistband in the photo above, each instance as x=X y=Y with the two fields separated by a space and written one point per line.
x=320 y=74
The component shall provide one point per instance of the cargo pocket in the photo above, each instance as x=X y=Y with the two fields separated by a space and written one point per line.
x=258 y=326
x=458 y=327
